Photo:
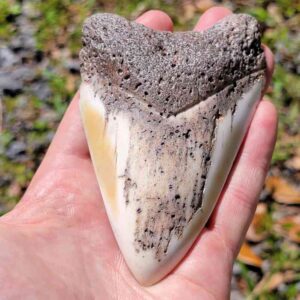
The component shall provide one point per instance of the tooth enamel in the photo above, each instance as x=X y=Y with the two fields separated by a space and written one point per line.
x=161 y=163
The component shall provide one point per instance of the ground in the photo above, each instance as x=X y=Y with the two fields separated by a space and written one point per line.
x=39 y=73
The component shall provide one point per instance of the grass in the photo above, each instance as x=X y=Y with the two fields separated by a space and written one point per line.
x=9 y=10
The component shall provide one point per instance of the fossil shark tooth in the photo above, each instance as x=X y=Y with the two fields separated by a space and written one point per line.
x=164 y=115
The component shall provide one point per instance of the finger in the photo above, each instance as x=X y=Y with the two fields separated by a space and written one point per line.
x=157 y=20
x=210 y=17
x=270 y=65
x=68 y=147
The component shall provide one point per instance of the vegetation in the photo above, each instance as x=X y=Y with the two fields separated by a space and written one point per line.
x=33 y=111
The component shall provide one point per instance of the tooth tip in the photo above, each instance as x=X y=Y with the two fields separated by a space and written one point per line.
x=148 y=267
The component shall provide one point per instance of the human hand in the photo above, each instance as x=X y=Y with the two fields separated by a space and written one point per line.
x=57 y=243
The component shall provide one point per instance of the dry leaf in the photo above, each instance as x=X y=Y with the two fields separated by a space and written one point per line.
x=189 y=10
x=257 y=232
x=247 y=256
x=289 y=227
x=14 y=190
x=242 y=285
x=294 y=162
x=280 y=211
x=271 y=281
x=71 y=83
x=203 y=5
x=282 y=190
x=275 y=12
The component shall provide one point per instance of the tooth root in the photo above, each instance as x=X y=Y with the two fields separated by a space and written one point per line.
x=163 y=148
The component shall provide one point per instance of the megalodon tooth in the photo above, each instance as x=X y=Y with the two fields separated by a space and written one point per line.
x=164 y=115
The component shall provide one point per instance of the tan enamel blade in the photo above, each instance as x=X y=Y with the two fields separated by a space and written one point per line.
x=149 y=194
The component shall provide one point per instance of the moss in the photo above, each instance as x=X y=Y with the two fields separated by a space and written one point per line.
x=9 y=10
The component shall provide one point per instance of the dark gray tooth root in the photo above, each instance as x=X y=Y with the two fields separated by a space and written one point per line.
x=173 y=106
x=170 y=71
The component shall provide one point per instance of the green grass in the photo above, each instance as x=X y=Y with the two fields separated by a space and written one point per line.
x=8 y=11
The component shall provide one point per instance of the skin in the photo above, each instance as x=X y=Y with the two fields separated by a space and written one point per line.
x=57 y=243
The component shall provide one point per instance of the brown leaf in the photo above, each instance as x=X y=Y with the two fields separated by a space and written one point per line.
x=14 y=190
x=248 y=257
x=271 y=281
x=257 y=232
x=282 y=190
x=275 y=12
x=203 y=5
x=289 y=227
x=242 y=285
x=71 y=83
x=189 y=10
x=280 y=211
x=294 y=162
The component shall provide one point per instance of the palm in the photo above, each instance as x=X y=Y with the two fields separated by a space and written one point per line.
x=69 y=244
x=60 y=239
